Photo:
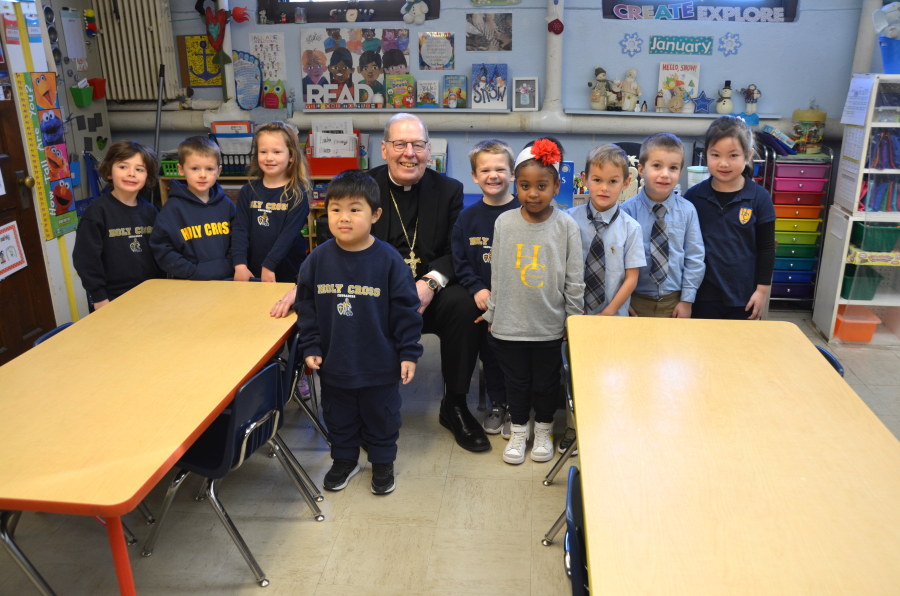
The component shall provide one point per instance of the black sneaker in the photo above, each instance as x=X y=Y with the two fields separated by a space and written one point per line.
x=382 y=478
x=340 y=473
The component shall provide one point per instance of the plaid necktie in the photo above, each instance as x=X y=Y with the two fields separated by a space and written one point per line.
x=595 y=265
x=659 y=246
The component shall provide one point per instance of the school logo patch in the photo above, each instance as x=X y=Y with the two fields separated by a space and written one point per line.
x=263 y=219
x=344 y=308
x=745 y=215
x=135 y=246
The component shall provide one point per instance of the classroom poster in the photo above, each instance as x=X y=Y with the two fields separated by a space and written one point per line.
x=196 y=61
x=489 y=32
x=345 y=67
x=269 y=50
x=247 y=79
x=12 y=257
x=436 y=51
x=679 y=79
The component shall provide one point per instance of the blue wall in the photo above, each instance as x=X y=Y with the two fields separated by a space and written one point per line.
x=789 y=62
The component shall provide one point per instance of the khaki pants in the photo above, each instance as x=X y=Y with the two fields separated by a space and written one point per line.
x=648 y=306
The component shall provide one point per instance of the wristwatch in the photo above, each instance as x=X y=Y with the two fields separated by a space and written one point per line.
x=433 y=285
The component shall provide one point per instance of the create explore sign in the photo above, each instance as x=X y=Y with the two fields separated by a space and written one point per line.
x=749 y=11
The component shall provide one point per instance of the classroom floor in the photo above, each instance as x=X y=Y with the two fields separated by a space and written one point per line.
x=458 y=523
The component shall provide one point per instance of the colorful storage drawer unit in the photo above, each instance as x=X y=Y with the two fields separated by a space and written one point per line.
x=796 y=237
x=800 y=184
x=792 y=290
x=797 y=225
x=797 y=277
x=792 y=170
x=798 y=212
x=795 y=264
x=797 y=198
x=855 y=323
x=796 y=251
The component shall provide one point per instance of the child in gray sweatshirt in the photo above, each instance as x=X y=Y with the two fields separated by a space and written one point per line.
x=537 y=280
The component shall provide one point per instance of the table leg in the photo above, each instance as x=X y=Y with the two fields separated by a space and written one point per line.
x=120 y=556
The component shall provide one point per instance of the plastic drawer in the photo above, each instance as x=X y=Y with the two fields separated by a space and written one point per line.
x=792 y=290
x=797 y=225
x=797 y=198
x=798 y=211
x=800 y=184
x=795 y=264
x=800 y=171
x=796 y=251
x=792 y=277
x=796 y=237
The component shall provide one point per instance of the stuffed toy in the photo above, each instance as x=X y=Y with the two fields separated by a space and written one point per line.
x=414 y=11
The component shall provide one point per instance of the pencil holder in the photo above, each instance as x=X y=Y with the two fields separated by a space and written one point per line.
x=82 y=95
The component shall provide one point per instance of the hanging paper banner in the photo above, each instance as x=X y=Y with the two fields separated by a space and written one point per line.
x=677 y=44
x=760 y=11
x=12 y=257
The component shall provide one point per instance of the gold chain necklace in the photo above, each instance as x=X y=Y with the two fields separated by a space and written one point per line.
x=412 y=261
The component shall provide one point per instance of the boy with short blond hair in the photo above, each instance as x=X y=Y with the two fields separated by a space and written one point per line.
x=673 y=246
x=492 y=164
x=192 y=236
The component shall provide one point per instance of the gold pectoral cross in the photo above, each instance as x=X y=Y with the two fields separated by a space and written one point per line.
x=412 y=261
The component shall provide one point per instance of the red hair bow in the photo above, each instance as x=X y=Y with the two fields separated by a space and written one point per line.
x=546 y=151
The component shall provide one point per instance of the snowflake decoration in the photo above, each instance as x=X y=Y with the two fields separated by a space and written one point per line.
x=631 y=45
x=730 y=43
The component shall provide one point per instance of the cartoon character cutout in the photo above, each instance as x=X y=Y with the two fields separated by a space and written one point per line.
x=62 y=196
x=274 y=95
x=52 y=131
x=44 y=84
x=57 y=161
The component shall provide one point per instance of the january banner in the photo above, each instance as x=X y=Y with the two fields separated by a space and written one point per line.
x=45 y=139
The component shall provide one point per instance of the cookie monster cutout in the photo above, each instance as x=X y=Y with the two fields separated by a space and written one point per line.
x=247 y=79
x=58 y=161
x=61 y=191
x=44 y=84
x=52 y=131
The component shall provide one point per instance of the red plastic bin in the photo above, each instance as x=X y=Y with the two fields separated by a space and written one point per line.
x=99 y=86
x=797 y=198
x=331 y=166
x=855 y=323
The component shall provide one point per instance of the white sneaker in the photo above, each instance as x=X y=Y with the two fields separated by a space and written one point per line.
x=518 y=444
x=542 y=449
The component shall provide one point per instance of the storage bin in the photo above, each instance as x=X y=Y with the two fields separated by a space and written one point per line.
x=860 y=282
x=797 y=198
x=855 y=323
x=801 y=211
x=99 y=86
x=793 y=170
x=792 y=290
x=800 y=184
x=796 y=251
x=795 y=264
x=330 y=166
x=796 y=237
x=797 y=225
x=875 y=236
x=82 y=95
x=169 y=168
x=797 y=277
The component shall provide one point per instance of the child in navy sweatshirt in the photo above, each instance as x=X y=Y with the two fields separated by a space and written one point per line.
x=492 y=166
x=359 y=327
x=267 y=241
x=112 y=250
x=192 y=236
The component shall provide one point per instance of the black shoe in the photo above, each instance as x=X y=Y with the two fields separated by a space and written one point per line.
x=383 y=478
x=342 y=470
x=468 y=431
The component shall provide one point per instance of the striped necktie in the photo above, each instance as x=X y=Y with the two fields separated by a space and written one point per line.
x=595 y=265
x=659 y=246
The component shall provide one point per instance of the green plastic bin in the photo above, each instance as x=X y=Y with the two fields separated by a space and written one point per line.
x=860 y=283
x=82 y=95
x=875 y=236
x=797 y=251
x=169 y=168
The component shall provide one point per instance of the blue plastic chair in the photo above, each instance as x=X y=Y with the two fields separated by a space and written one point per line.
x=576 y=550
x=832 y=360
x=251 y=421
x=50 y=334
x=570 y=402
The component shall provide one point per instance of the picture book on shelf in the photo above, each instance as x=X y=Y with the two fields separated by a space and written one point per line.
x=679 y=79
x=401 y=91
x=427 y=94
x=489 y=86
x=455 y=91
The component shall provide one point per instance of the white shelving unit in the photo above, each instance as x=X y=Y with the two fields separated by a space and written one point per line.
x=854 y=169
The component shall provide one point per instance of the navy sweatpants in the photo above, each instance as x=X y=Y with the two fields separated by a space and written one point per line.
x=370 y=413
x=494 y=381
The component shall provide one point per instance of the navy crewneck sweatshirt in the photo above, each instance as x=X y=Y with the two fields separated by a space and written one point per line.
x=112 y=249
x=267 y=231
x=192 y=239
x=357 y=310
x=471 y=242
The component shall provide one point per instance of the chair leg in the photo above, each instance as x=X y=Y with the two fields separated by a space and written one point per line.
x=298 y=483
x=313 y=394
x=235 y=535
x=170 y=496
x=313 y=416
x=560 y=463
x=554 y=529
x=129 y=535
x=313 y=489
x=6 y=537
x=145 y=511
x=201 y=494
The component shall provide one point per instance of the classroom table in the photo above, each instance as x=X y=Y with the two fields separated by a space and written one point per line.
x=95 y=416
x=728 y=457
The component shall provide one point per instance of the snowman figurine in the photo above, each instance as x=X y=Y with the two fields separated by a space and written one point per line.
x=724 y=105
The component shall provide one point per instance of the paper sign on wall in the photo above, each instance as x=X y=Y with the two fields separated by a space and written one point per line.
x=678 y=44
x=12 y=257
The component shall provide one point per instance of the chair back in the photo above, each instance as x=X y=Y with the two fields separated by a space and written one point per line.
x=575 y=535
x=295 y=366
x=567 y=377
x=50 y=334
x=832 y=360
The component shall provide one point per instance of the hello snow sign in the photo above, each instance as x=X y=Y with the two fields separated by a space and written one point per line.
x=758 y=11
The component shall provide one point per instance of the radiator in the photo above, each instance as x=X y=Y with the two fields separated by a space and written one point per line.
x=133 y=47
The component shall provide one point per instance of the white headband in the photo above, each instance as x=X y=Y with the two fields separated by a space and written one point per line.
x=526 y=154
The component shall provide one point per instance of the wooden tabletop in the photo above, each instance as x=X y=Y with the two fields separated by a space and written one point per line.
x=728 y=457
x=96 y=415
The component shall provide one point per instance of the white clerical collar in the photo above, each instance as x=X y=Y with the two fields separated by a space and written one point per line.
x=405 y=188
